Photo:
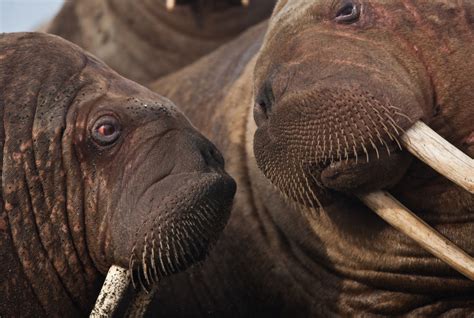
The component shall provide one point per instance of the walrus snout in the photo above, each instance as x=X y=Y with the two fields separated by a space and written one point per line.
x=332 y=134
x=332 y=119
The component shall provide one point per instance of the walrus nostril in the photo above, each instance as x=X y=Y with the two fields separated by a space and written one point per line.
x=214 y=153
x=263 y=103
x=260 y=111
x=211 y=156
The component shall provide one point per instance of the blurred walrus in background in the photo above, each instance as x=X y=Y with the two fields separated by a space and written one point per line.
x=143 y=40
x=335 y=85
x=96 y=171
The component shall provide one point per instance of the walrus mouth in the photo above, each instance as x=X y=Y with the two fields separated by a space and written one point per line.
x=375 y=170
x=214 y=4
x=182 y=228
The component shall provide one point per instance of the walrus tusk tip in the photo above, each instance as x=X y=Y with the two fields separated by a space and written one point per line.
x=401 y=218
x=115 y=284
x=170 y=4
x=439 y=154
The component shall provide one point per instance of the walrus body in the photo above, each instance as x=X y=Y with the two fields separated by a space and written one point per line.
x=304 y=246
x=143 y=41
x=96 y=171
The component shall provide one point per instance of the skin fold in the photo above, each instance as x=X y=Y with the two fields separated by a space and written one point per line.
x=96 y=171
x=143 y=41
x=280 y=102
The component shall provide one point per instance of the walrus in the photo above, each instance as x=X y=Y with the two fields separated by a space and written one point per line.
x=308 y=113
x=144 y=40
x=96 y=171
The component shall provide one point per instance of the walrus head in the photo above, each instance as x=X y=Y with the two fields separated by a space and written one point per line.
x=160 y=193
x=331 y=103
x=157 y=192
x=112 y=173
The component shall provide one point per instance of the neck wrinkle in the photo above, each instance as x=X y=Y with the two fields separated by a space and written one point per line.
x=34 y=195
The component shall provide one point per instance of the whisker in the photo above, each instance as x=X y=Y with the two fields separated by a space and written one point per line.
x=160 y=253
x=132 y=276
x=142 y=285
x=375 y=148
x=144 y=253
x=153 y=265
x=404 y=116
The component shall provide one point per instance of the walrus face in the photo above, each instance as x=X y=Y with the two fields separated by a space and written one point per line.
x=332 y=97
x=157 y=195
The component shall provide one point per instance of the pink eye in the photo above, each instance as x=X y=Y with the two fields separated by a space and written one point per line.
x=106 y=130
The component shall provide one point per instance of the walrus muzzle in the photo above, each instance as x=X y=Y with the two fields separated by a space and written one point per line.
x=189 y=215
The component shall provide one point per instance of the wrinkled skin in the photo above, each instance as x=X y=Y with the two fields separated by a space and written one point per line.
x=96 y=171
x=143 y=41
x=281 y=253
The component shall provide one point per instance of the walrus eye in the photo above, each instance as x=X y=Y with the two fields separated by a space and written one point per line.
x=349 y=13
x=106 y=130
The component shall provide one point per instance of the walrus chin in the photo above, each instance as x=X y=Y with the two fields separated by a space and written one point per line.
x=191 y=215
x=186 y=221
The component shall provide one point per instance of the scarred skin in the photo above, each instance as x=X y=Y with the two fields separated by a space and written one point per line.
x=96 y=171
x=281 y=255
x=143 y=41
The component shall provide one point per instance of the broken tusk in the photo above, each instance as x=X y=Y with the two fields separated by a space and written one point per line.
x=435 y=151
x=397 y=215
x=112 y=291
x=170 y=4
x=245 y=3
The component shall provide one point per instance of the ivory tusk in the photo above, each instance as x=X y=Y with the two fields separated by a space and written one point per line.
x=170 y=4
x=397 y=215
x=435 y=151
x=245 y=3
x=112 y=292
